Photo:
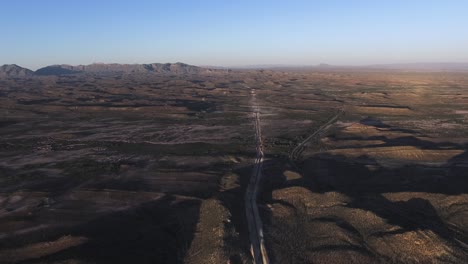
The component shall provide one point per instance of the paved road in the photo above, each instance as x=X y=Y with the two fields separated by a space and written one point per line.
x=254 y=221
x=258 y=250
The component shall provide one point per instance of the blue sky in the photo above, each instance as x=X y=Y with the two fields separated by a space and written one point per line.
x=231 y=33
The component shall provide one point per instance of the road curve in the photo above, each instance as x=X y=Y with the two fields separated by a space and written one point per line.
x=254 y=222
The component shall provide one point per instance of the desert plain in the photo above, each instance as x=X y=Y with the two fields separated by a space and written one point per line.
x=133 y=167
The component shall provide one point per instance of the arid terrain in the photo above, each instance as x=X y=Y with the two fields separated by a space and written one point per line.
x=150 y=164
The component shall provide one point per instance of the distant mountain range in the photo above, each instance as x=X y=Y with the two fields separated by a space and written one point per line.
x=15 y=71
x=421 y=67
x=424 y=66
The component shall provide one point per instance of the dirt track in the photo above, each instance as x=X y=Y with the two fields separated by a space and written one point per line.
x=296 y=152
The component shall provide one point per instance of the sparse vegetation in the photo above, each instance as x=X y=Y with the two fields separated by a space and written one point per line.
x=156 y=165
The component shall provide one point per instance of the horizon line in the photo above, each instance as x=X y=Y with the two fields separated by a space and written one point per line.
x=268 y=65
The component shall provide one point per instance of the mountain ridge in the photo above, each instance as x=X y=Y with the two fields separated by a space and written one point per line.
x=102 y=68
x=14 y=71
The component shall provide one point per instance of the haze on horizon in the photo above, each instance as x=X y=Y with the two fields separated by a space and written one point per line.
x=209 y=32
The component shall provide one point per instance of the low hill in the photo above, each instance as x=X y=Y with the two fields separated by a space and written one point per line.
x=13 y=70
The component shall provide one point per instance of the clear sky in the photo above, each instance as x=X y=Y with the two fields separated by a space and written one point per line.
x=231 y=33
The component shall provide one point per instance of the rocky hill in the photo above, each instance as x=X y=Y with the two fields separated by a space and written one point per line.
x=100 y=68
x=13 y=70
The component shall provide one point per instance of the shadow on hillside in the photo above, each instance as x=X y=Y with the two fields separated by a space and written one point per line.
x=153 y=232
x=364 y=180
x=233 y=201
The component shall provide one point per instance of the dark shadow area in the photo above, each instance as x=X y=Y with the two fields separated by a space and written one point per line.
x=160 y=231
x=400 y=141
x=197 y=106
x=55 y=70
x=413 y=214
x=365 y=174
x=233 y=201
x=154 y=232
x=365 y=186
x=364 y=180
